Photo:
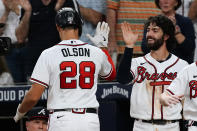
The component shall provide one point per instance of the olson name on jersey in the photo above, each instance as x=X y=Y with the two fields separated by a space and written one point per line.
x=76 y=52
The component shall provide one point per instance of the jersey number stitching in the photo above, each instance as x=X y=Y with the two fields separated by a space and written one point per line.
x=86 y=75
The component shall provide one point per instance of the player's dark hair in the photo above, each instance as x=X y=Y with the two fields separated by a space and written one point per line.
x=167 y=27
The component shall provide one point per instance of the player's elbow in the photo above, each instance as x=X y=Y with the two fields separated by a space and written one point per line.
x=112 y=76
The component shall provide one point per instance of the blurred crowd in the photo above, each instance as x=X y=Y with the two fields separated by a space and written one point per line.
x=31 y=26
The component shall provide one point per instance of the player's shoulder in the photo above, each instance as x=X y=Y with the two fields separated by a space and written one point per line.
x=94 y=49
x=179 y=60
x=191 y=66
x=49 y=50
x=139 y=60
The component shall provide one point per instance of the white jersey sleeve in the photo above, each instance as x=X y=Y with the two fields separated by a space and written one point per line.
x=180 y=83
x=185 y=84
x=40 y=74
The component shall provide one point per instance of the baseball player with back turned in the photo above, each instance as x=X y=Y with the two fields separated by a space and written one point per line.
x=70 y=71
x=184 y=86
x=150 y=75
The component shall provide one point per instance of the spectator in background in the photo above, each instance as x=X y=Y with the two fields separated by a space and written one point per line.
x=184 y=8
x=37 y=25
x=184 y=32
x=193 y=16
x=133 y=11
x=9 y=19
x=92 y=12
x=37 y=119
x=5 y=76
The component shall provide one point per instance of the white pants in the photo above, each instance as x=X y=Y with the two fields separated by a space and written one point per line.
x=192 y=128
x=144 y=126
x=68 y=121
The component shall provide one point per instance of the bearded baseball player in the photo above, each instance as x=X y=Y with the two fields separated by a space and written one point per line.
x=150 y=75
x=70 y=71
x=184 y=86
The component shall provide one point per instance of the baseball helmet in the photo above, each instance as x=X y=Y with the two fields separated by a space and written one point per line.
x=176 y=7
x=5 y=43
x=68 y=17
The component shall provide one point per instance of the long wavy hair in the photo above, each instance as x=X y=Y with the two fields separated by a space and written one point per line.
x=167 y=27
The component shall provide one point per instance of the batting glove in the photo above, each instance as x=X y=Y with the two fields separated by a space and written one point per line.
x=18 y=115
x=100 y=38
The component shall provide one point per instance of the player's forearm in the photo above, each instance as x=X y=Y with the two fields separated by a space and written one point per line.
x=27 y=103
x=32 y=97
x=23 y=28
x=124 y=75
x=91 y=15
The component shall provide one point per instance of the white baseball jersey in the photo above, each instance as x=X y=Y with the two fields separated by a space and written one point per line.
x=70 y=71
x=186 y=83
x=150 y=79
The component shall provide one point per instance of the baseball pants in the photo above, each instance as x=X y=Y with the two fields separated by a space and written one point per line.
x=68 y=121
x=193 y=127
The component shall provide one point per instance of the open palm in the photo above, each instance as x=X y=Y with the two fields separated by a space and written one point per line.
x=129 y=36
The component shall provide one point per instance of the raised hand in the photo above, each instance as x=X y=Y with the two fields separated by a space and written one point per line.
x=25 y=5
x=100 y=38
x=129 y=36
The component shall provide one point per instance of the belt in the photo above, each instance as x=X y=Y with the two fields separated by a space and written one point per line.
x=76 y=110
x=159 y=122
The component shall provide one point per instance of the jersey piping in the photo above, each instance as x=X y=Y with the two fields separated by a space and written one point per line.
x=39 y=82
x=73 y=45
x=166 y=82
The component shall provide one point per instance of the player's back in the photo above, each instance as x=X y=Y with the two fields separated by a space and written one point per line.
x=73 y=68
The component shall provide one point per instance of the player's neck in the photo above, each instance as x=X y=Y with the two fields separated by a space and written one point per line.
x=69 y=34
x=160 y=55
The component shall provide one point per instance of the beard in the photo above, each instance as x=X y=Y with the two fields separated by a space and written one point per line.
x=156 y=45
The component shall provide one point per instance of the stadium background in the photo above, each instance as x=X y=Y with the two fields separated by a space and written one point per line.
x=113 y=112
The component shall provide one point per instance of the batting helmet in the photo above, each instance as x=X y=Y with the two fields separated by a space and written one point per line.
x=68 y=17
x=5 y=43
x=176 y=7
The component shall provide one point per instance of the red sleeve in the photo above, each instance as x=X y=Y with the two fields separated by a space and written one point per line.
x=112 y=76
